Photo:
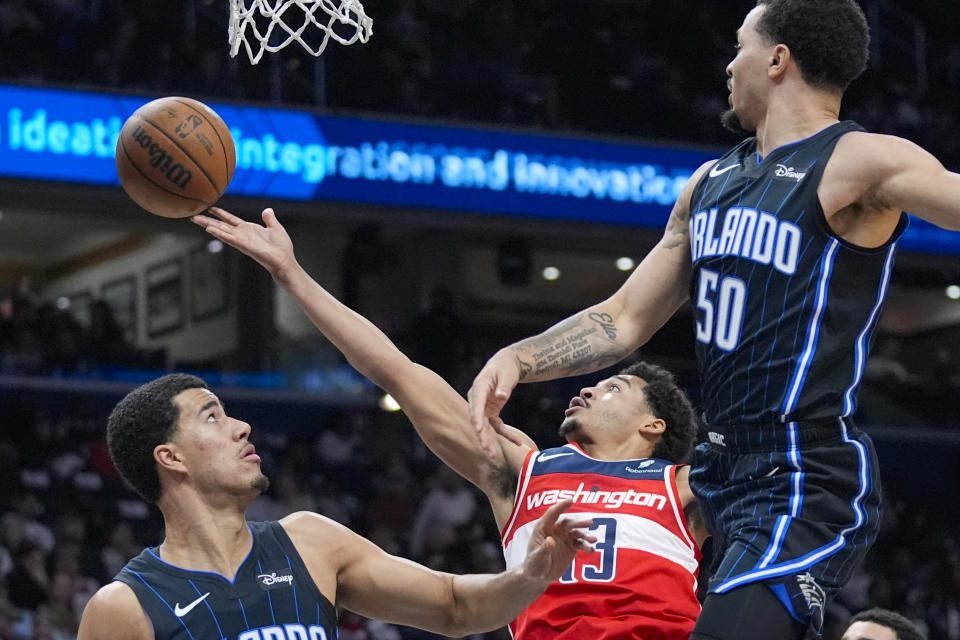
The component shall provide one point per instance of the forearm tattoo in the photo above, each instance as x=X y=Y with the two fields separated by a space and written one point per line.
x=586 y=342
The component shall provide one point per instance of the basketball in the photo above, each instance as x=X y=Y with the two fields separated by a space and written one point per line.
x=175 y=157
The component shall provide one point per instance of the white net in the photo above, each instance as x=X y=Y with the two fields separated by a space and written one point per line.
x=270 y=25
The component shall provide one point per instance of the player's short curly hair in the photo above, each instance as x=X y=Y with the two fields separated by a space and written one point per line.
x=901 y=626
x=669 y=403
x=829 y=39
x=145 y=418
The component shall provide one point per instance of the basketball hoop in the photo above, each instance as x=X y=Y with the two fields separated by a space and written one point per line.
x=270 y=25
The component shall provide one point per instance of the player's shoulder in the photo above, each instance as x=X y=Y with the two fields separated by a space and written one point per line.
x=871 y=154
x=702 y=170
x=114 y=611
x=309 y=523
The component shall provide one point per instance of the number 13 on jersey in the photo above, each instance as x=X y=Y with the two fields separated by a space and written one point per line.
x=599 y=567
x=720 y=304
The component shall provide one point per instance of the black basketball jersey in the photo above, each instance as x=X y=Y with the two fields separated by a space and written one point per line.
x=785 y=310
x=272 y=597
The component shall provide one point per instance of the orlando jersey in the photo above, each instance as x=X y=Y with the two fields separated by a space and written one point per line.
x=272 y=597
x=642 y=580
x=785 y=310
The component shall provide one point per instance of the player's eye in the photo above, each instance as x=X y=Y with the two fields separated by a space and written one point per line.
x=211 y=417
x=614 y=387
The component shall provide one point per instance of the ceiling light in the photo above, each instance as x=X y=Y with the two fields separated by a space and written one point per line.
x=953 y=292
x=625 y=263
x=387 y=403
x=551 y=273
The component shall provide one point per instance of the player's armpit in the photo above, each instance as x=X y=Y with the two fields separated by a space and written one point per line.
x=115 y=613
x=691 y=507
x=888 y=173
x=924 y=188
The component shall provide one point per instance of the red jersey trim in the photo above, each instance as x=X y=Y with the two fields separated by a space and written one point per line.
x=674 y=492
x=523 y=481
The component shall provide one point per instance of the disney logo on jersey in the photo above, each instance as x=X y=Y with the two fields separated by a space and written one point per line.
x=609 y=499
x=789 y=173
x=759 y=236
x=276 y=579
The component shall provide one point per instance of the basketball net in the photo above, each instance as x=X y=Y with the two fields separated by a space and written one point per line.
x=270 y=25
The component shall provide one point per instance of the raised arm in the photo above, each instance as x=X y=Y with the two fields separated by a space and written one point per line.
x=600 y=335
x=438 y=412
x=879 y=176
x=380 y=586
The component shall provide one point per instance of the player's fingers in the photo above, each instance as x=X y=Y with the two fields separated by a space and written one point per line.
x=549 y=518
x=585 y=544
x=269 y=217
x=580 y=524
x=477 y=398
x=214 y=227
x=501 y=427
x=488 y=444
x=226 y=216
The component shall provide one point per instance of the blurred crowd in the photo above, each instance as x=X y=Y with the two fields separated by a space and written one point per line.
x=44 y=337
x=67 y=524
x=639 y=68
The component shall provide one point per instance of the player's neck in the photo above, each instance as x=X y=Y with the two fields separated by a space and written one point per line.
x=615 y=451
x=792 y=117
x=202 y=538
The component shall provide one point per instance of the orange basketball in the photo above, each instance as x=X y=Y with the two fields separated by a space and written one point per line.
x=175 y=157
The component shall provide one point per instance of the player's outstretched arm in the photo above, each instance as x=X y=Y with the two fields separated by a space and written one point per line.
x=383 y=587
x=920 y=184
x=883 y=175
x=438 y=412
x=598 y=336
x=114 y=612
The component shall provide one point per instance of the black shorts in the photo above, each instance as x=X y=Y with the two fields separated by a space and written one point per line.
x=795 y=506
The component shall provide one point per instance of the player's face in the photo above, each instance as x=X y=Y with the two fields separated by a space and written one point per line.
x=746 y=75
x=215 y=447
x=613 y=408
x=868 y=631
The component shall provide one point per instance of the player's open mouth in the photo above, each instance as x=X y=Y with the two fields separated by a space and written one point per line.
x=575 y=403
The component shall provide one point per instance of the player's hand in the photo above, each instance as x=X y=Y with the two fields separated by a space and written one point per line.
x=490 y=391
x=268 y=243
x=555 y=542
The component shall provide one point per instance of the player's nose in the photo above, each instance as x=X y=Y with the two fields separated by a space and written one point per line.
x=242 y=429
x=586 y=392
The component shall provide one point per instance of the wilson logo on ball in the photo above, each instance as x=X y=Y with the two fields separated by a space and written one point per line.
x=160 y=159
x=175 y=156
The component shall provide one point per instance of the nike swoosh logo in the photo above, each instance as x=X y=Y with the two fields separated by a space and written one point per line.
x=544 y=458
x=714 y=172
x=182 y=611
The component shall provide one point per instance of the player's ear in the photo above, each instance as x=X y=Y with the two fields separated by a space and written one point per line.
x=779 y=60
x=167 y=456
x=655 y=426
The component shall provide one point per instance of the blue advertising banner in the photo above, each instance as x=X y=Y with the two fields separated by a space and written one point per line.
x=70 y=136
